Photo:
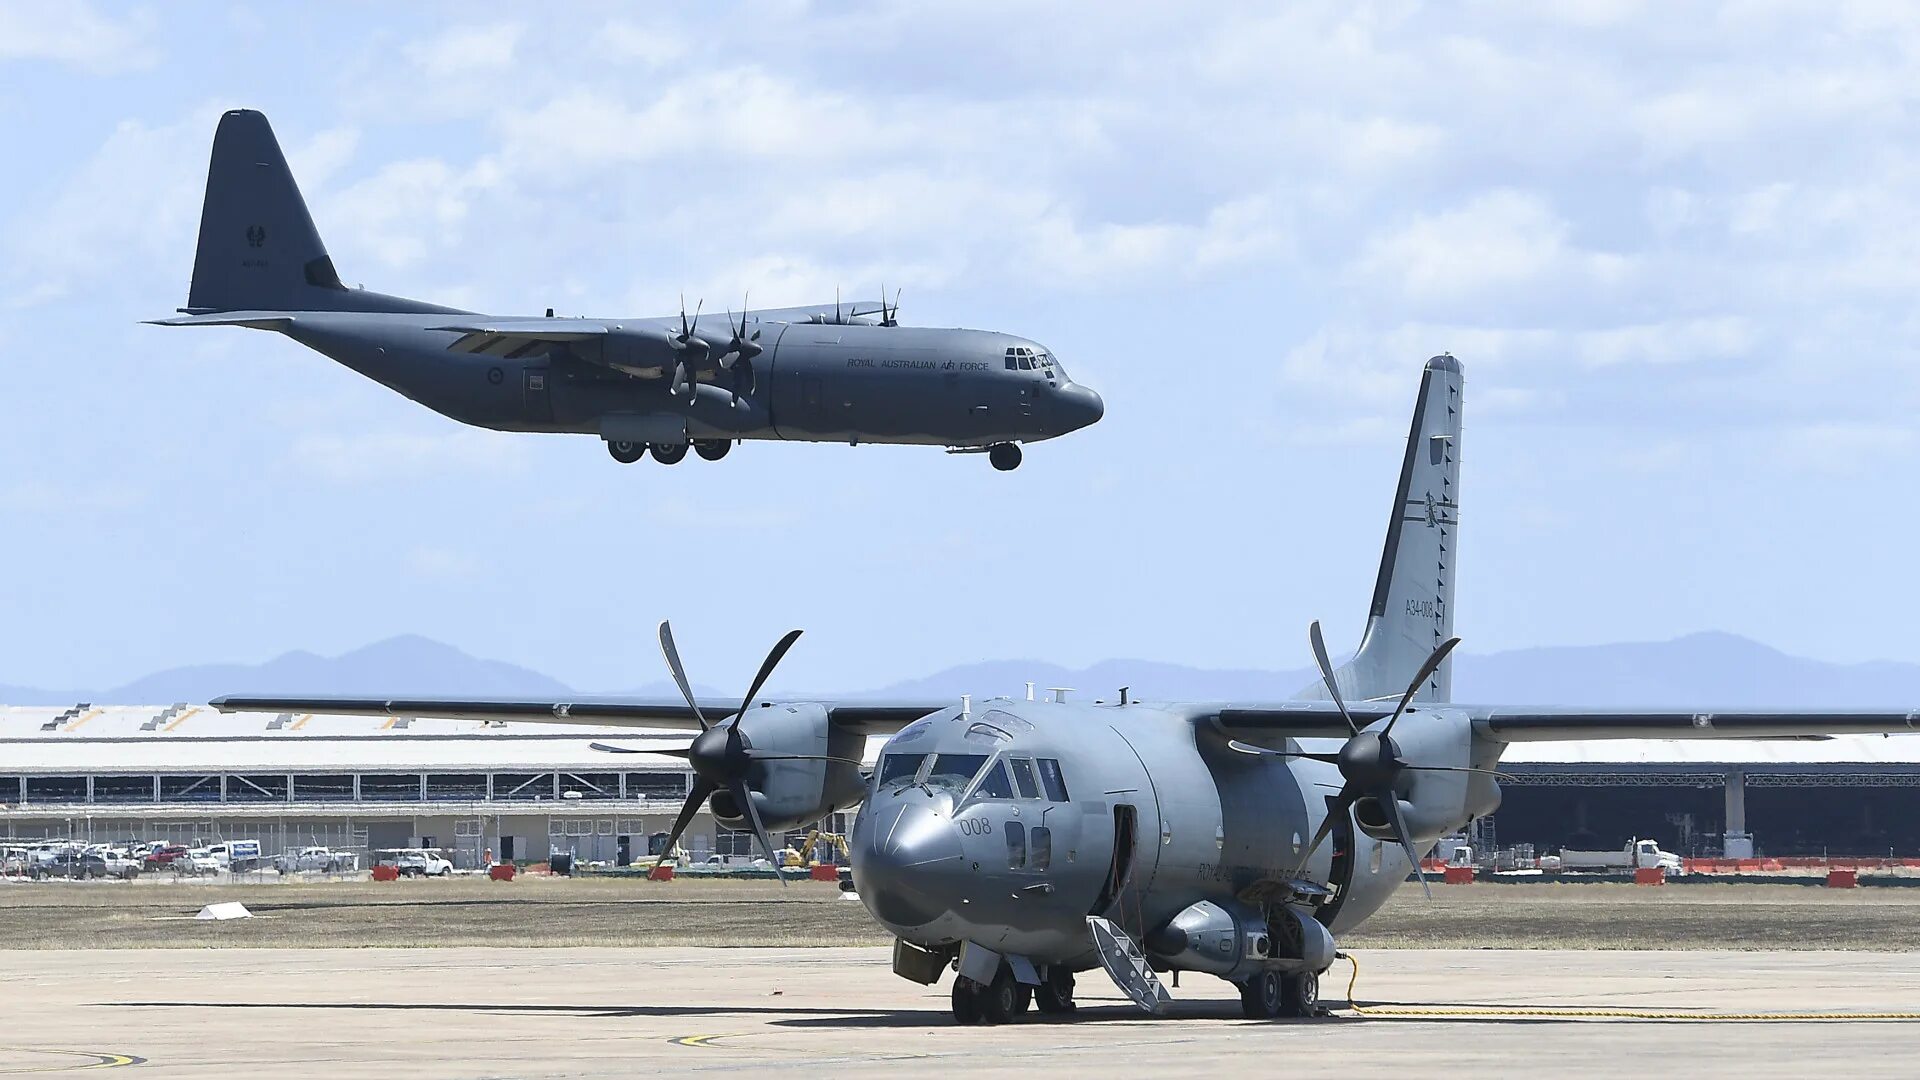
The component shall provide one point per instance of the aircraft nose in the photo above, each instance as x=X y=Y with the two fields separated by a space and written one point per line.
x=1080 y=406
x=905 y=861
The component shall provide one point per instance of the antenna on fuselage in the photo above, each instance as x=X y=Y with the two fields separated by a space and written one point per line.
x=1123 y=694
x=966 y=704
x=1029 y=691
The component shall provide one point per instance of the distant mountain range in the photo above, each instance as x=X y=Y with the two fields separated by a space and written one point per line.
x=1711 y=669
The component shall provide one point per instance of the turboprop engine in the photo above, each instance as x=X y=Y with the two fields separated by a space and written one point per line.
x=796 y=771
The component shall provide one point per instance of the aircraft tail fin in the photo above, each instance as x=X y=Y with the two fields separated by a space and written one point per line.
x=1412 y=609
x=258 y=248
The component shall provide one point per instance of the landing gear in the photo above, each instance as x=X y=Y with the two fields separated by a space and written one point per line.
x=998 y=1002
x=712 y=449
x=1054 y=996
x=1270 y=995
x=1301 y=995
x=1004 y=456
x=626 y=453
x=1263 y=996
x=668 y=453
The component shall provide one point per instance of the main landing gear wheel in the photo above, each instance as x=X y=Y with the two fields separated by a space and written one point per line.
x=1004 y=456
x=1263 y=997
x=1054 y=996
x=626 y=453
x=668 y=453
x=1300 y=995
x=712 y=449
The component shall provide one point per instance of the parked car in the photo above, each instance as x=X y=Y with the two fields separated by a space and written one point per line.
x=118 y=864
x=323 y=859
x=72 y=863
x=165 y=857
x=418 y=862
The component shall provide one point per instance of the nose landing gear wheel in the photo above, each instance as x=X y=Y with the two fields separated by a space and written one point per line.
x=1004 y=456
x=1054 y=996
x=1263 y=996
x=626 y=453
x=712 y=449
x=999 y=999
x=966 y=1001
x=668 y=453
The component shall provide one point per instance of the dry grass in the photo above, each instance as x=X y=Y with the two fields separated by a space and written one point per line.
x=543 y=912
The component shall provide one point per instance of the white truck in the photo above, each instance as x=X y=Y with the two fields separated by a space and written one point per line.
x=238 y=856
x=416 y=862
x=1637 y=854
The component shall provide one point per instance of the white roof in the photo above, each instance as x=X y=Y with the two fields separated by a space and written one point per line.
x=1841 y=749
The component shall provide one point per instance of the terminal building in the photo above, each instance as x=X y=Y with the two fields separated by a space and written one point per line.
x=187 y=774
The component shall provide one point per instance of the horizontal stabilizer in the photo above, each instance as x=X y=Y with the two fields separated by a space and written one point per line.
x=258 y=320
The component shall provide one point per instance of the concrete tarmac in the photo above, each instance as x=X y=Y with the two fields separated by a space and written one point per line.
x=583 y=1012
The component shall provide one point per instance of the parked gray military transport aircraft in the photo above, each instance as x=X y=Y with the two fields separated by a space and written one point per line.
x=825 y=373
x=1020 y=842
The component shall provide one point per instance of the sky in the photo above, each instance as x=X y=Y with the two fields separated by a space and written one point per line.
x=1675 y=248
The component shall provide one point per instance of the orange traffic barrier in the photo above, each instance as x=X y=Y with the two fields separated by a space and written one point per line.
x=1458 y=875
x=662 y=872
x=826 y=872
x=1649 y=875
x=386 y=873
x=1843 y=879
x=500 y=872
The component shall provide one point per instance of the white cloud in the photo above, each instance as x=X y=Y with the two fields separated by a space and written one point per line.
x=466 y=50
x=1500 y=240
x=365 y=457
x=75 y=33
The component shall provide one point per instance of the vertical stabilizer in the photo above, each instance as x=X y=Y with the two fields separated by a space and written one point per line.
x=258 y=247
x=1412 y=610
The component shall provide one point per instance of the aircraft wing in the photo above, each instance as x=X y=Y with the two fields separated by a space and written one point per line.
x=1529 y=723
x=866 y=718
x=257 y=320
x=1551 y=723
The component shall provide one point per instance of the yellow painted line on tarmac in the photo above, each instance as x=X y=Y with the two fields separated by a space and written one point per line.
x=97 y=1060
x=701 y=1040
x=75 y=726
x=388 y=726
x=302 y=722
x=181 y=719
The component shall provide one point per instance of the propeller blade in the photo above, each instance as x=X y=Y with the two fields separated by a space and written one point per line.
x=1267 y=751
x=1406 y=842
x=670 y=751
x=679 y=673
x=742 y=796
x=701 y=790
x=766 y=668
x=1326 y=674
x=1337 y=807
x=805 y=757
x=1427 y=669
x=1461 y=768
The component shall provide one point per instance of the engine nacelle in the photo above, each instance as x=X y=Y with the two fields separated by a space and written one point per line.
x=1433 y=802
x=787 y=793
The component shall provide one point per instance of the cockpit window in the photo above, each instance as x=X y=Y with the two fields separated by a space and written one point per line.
x=1052 y=780
x=955 y=771
x=899 y=767
x=1023 y=778
x=995 y=784
x=984 y=732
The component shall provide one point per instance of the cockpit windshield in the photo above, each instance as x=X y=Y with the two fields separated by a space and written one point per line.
x=1030 y=358
x=954 y=772
x=899 y=768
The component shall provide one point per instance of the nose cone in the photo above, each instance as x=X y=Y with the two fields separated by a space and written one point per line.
x=905 y=859
x=1079 y=406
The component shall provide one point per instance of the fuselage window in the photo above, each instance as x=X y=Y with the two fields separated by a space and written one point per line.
x=1040 y=847
x=1050 y=776
x=955 y=771
x=994 y=785
x=1016 y=845
x=899 y=767
x=988 y=732
x=1023 y=778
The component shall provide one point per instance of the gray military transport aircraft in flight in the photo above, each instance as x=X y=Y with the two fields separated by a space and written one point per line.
x=1020 y=842
x=825 y=373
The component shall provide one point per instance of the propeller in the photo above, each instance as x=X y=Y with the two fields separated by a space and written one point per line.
x=737 y=361
x=720 y=755
x=691 y=350
x=889 y=316
x=1369 y=762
